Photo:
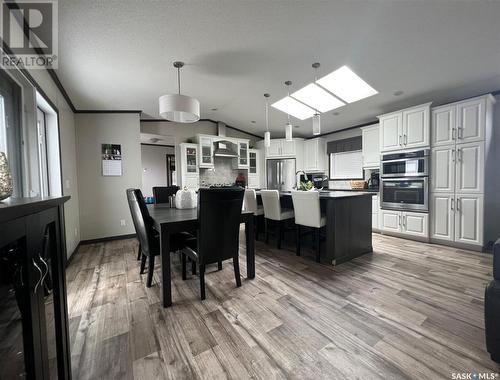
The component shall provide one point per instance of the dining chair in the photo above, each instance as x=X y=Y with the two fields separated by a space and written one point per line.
x=148 y=237
x=250 y=204
x=164 y=194
x=308 y=214
x=130 y=199
x=274 y=212
x=219 y=214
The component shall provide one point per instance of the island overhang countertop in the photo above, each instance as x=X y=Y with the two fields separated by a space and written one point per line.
x=334 y=194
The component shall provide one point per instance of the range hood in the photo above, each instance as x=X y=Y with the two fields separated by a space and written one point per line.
x=225 y=148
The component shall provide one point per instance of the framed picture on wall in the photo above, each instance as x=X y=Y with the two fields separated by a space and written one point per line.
x=111 y=156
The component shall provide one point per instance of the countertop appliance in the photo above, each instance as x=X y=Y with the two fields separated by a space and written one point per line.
x=374 y=181
x=405 y=181
x=281 y=174
x=319 y=180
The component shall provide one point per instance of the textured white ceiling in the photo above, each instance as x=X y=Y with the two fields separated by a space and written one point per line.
x=119 y=54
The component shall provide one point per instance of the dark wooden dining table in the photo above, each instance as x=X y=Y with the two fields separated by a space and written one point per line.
x=169 y=220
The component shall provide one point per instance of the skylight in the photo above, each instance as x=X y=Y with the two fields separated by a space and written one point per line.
x=347 y=85
x=317 y=98
x=294 y=108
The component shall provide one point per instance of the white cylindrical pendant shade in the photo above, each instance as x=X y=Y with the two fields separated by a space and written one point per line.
x=316 y=124
x=179 y=108
x=267 y=139
x=288 y=132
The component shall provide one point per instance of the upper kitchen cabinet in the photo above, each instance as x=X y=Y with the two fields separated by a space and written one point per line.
x=189 y=165
x=254 y=169
x=371 y=146
x=405 y=129
x=243 y=154
x=315 y=155
x=206 y=151
x=461 y=122
x=283 y=148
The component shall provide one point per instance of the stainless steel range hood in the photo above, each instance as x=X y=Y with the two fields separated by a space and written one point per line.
x=225 y=148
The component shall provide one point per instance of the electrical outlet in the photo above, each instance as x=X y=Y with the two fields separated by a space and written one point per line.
x=122 y=222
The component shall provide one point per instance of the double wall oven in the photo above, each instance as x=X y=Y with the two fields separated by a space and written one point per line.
x=405 y=181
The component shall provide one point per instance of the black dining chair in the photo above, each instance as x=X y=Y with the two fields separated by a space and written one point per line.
x=149 y=242
x=164 y=194
x=219 y=213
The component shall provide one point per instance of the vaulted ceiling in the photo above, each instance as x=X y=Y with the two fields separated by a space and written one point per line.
x=119 y=54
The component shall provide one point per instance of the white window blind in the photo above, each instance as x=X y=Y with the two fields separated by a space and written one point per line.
x=346 y=165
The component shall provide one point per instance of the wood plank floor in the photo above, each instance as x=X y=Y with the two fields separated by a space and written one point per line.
x=409 y=310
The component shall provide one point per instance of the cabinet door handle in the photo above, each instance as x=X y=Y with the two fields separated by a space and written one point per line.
x=460 y=133
x=400 y=139
x=41 y=275
x=452 y=204
x=399 y=220
x=458 y=204
x=453 y=134
x=459 y=154
x=453 y=155
x=405 y=139
x=404 y=221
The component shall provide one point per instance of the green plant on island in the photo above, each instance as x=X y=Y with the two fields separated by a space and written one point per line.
x=306 y=186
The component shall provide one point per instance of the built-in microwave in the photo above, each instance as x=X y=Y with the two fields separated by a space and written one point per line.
x=408 y=193
x=405 y=164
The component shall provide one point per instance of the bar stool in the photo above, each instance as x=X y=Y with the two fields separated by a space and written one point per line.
x=250 y=204
x=274 y=212
x=308 y=214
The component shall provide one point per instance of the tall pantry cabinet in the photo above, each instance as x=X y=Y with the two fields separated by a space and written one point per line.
x=459 y=138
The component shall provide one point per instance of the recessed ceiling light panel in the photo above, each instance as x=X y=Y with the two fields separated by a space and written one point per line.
x=317 y=98
x=347 y=85
x=294 y=107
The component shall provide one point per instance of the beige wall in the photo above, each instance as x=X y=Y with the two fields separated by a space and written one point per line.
x=182 y=132
x=154 y=167
x=68 y=158
x=103 y=203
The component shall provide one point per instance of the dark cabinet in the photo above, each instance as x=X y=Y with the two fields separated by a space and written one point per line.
x=34 y=339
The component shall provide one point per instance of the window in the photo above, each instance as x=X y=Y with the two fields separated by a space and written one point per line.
x=346 y=165
x=42 y=153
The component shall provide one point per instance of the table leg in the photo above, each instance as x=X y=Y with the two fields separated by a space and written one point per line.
x=249 y=233
x=165 y=267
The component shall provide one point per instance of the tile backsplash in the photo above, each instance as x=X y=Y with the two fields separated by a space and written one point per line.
x=223 y=173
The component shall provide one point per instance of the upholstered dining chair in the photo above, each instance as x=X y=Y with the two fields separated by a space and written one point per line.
x=273 y=212
x=307 y=209
x=148 y=238
x=250 y=204
x=219 y=215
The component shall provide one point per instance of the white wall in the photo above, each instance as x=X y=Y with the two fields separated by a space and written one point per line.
x=103 y=202
x=154 y=167
x=68 y=158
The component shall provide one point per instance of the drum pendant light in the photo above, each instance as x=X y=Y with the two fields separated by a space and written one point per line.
x=316 y=118
x=177 y=107
x=288 y=127
x=267 y=135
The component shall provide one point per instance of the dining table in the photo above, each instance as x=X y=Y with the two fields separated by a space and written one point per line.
x=170 y=220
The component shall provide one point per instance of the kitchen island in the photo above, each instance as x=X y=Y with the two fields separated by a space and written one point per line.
x=348 y=227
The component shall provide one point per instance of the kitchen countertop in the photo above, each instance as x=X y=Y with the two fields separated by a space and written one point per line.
x=363 y=190
x=329 y=194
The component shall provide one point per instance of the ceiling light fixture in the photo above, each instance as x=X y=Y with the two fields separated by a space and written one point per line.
x=177 y=107
x=294 y=108
x=346 y=85
x=267 y=135
x=316 y=116
x=288 y=127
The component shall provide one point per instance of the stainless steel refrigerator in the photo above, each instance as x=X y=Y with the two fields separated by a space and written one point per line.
x=281 y=174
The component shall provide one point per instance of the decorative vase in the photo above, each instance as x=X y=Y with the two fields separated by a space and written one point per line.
x=186 y=198
x=6 y=188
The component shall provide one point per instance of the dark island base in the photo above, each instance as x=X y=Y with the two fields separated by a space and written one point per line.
x=348 y=230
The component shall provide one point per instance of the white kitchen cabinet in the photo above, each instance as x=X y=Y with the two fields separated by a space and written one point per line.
x=288 y=148
x=280 y=148
x=390 y=220
x=442 y=211
x=243 y=156
x=416 y=127
x=415 y=223
x=443 y=123
x=274 y=149
x=375 y=213
x=469 y=160
x=371 y=146
x=405 y=129
x=206 y=151
x=404 y=222
x=315 y=155
x=254 y=169
x=391 y=128
x=443 y=169
x=471 y=120
x=469 y=219
x=189 y=165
